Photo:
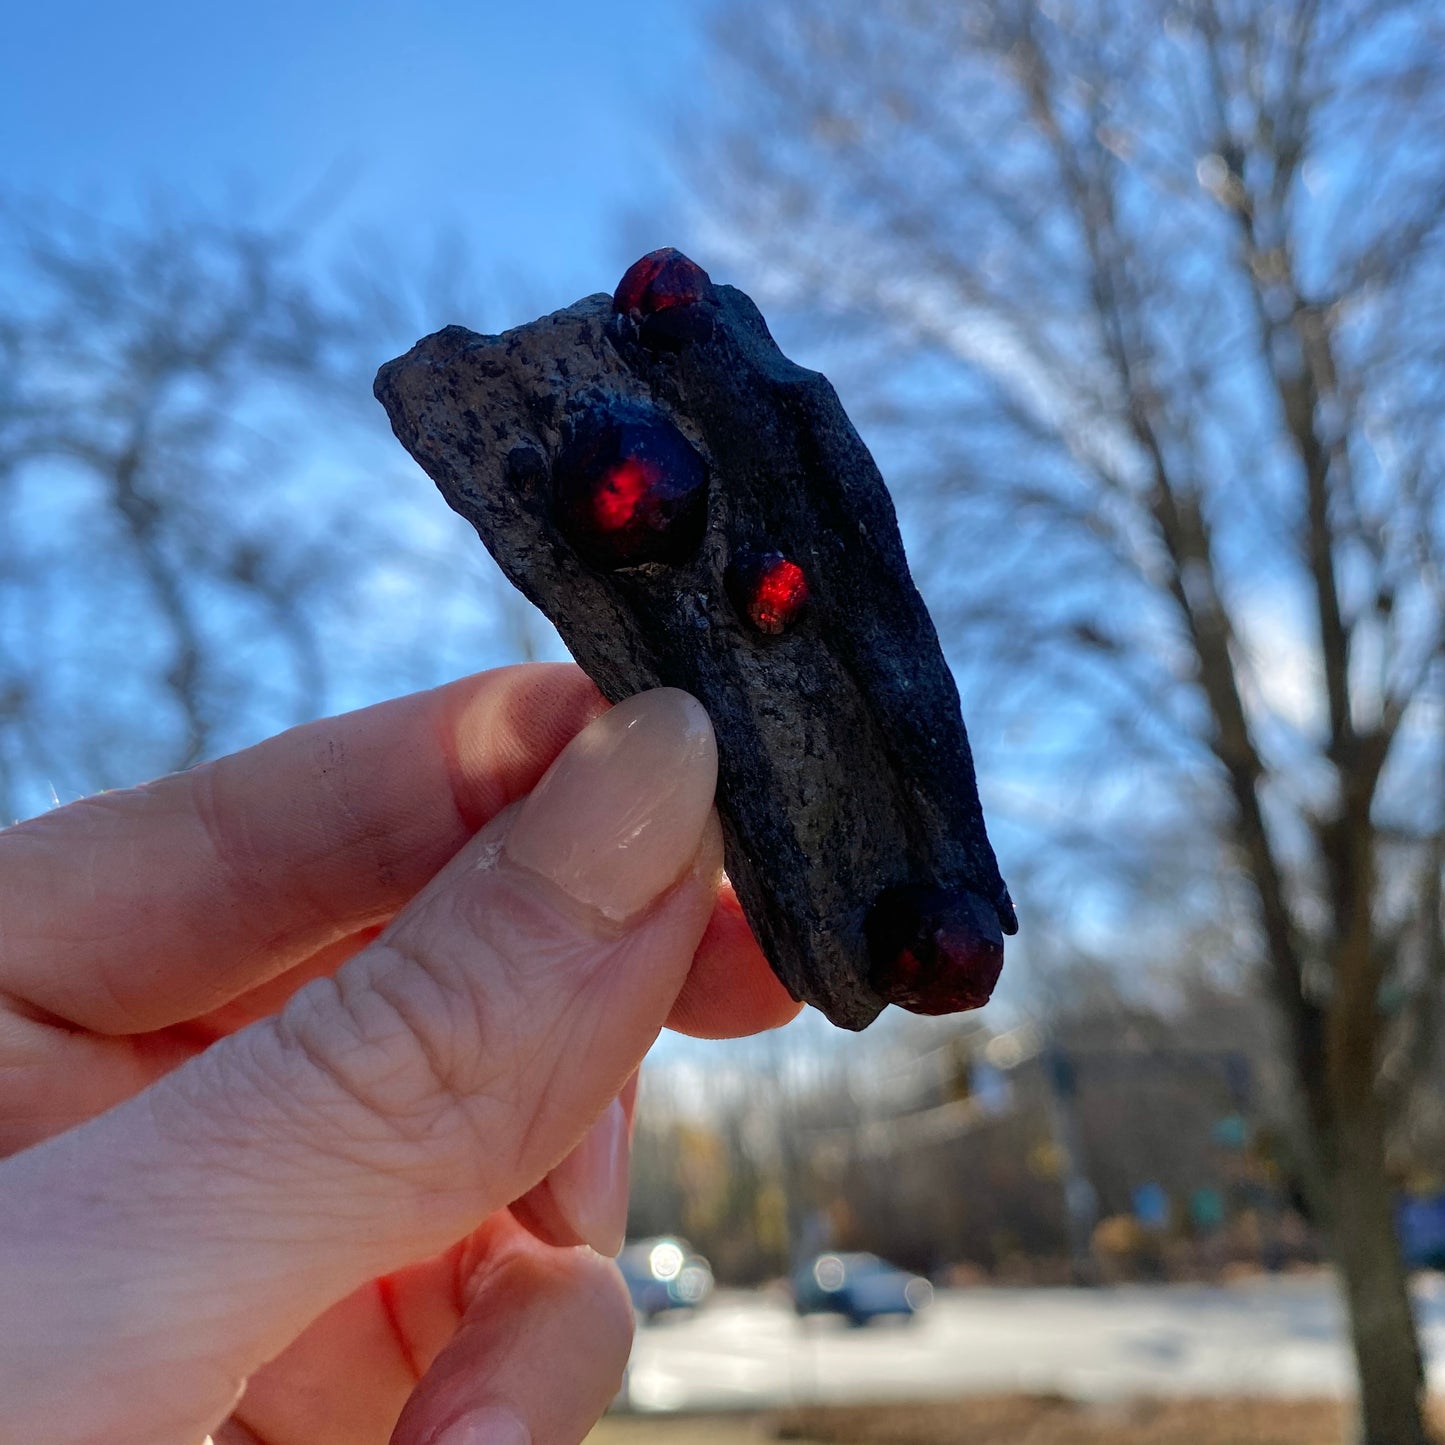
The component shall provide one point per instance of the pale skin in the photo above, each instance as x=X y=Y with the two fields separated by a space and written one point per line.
x=316 y=1066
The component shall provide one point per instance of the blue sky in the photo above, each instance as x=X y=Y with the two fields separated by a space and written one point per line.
x=536 y=135
x=532 y=129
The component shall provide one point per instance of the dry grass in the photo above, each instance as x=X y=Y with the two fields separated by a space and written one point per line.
x=1005 y=1420
x=1024 y=1420
x=681 y=1430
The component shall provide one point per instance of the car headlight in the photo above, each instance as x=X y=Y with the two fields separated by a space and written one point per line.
x=665 y=1261
x=692 y=1284
x=918 y=1293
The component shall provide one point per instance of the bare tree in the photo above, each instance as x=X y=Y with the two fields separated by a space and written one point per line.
x=195 y=485
x=1147 y=302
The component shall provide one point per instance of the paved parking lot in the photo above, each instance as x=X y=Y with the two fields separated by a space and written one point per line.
x=1262 y=1337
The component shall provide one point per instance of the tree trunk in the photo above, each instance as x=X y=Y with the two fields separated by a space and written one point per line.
x=1367 y=1252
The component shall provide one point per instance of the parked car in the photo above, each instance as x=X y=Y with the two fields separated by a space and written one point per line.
x=860 y=1287
x=664 y=1274
x=1420 y=1228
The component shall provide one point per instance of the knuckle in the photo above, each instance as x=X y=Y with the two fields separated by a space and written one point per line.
x=404 y=1054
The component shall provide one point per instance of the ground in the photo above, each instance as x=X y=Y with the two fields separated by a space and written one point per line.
x=1279 y=1338
x=1003 y=1420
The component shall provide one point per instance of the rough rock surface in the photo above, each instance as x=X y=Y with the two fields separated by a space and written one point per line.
x=844 y=765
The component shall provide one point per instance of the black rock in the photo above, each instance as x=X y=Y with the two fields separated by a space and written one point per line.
x=844 y=766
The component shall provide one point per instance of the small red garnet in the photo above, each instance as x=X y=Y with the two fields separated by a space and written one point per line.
x=630 y=488
x=769 y=589
x=934 y=950
x=659 y=281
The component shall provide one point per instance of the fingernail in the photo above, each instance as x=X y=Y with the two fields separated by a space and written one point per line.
x=627 y=1097
x=620 y=814
x=590 y=1186
x=494 y=1425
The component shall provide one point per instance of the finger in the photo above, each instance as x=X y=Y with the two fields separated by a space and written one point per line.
x=499 y=1381
x=136 y=909
x=584 y=1199
x=731 y=990
x=344 y=1380
x=190 y=1233
x=57 y=1077
x=347 y=1378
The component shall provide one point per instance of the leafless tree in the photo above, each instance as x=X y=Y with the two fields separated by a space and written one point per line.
x=1144 y=303
x=198 y=495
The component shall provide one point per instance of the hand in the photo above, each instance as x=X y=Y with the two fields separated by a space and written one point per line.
x=307 y=1090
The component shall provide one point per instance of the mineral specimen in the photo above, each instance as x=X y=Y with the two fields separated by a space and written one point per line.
x=692 y=509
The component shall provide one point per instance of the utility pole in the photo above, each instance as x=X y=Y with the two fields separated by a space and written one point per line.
x=1081 y=1199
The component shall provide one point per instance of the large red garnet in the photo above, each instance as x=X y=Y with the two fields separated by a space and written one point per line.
x=934 y=950
x=630 y=488
x=769 y=589
x=659 y=281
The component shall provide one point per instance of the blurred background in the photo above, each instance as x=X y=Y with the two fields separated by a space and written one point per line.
x=1141 y=307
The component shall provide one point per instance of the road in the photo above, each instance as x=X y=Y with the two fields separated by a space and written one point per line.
x=1277 y=1337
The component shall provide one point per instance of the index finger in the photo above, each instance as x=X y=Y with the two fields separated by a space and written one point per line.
x=137 y=909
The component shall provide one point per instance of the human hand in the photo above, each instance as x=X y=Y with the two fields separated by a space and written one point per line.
x=281 y=1041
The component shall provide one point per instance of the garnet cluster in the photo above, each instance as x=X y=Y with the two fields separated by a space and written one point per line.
x=681 y=532
x=630 y=488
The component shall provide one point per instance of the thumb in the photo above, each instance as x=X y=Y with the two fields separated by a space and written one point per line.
x=186 y=1236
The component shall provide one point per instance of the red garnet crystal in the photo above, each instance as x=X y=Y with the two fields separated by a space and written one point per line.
x=769 y=589
x=630 y=488
x=934 y=950
x=665 y=301
x=659 y=281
